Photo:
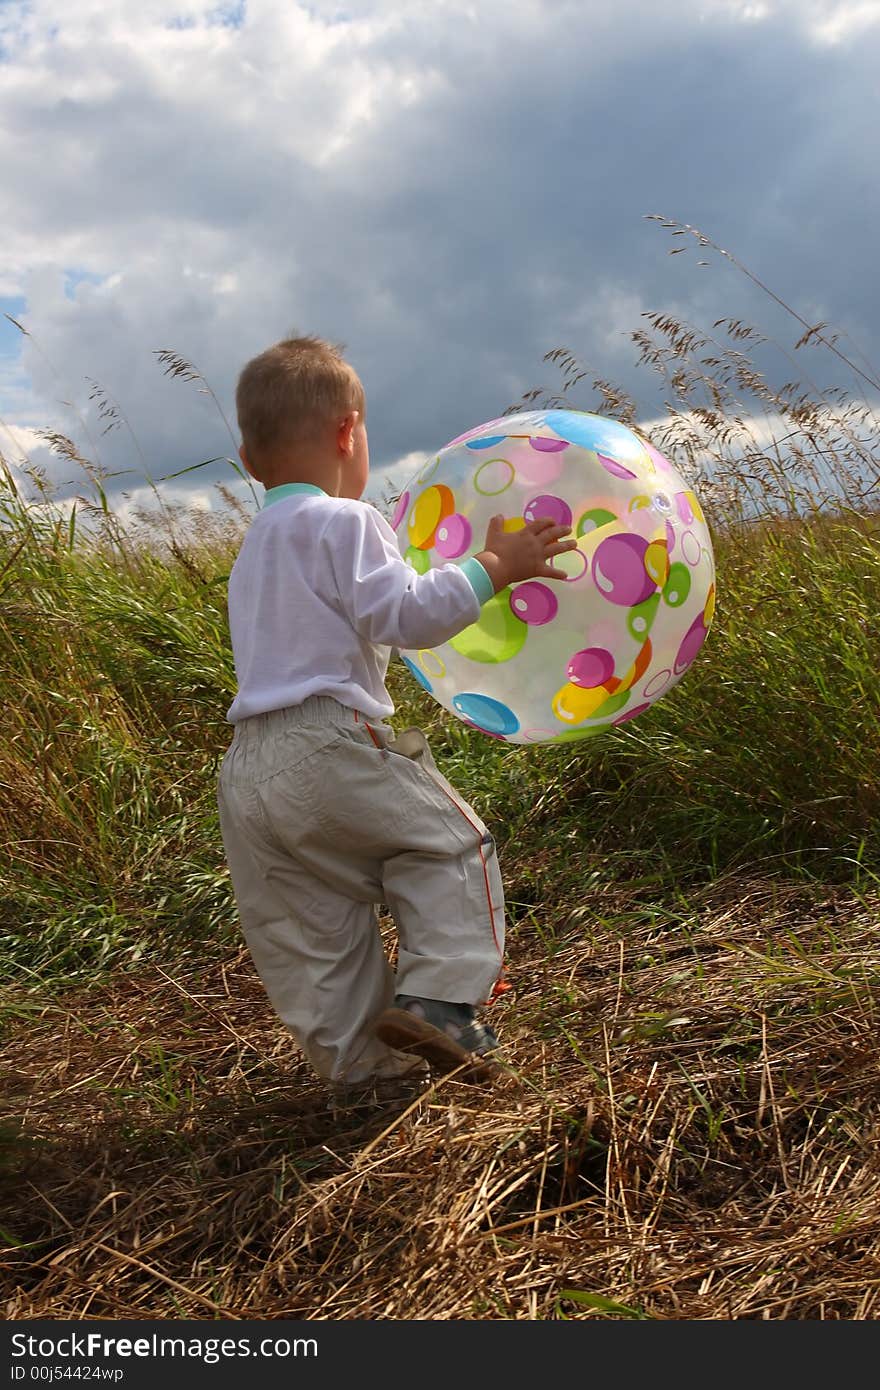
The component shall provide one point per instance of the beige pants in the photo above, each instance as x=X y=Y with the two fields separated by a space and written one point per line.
x=324 y=816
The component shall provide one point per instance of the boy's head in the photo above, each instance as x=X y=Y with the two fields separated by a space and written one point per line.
x=301 y=413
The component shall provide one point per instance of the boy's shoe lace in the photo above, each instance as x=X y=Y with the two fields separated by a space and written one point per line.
x=448 y=1036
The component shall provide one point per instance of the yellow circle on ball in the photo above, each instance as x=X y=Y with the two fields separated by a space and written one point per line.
x=657 y=562
x=429 y=509
x=573 y=703
x=432 y=663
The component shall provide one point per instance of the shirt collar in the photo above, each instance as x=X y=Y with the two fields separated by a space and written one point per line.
x=277 y=494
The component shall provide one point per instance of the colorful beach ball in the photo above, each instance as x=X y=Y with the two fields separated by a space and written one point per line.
x=550 y=661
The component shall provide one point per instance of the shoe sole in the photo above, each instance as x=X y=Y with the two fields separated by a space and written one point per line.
x=405 y=1032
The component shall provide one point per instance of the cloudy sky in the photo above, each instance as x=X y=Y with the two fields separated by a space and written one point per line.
x=449 y=187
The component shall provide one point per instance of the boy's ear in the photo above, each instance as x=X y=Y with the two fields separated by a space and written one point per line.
x=242 y=454
x=345 y=433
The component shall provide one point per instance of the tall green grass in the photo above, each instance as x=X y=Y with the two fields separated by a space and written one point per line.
x=116 y=672
x=115 y=675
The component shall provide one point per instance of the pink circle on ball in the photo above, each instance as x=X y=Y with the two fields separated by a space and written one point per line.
x=630 y=714
x=453 y=536
x=657 y=458
x=691 y=644
x=402 y=504
x=558 y=511
x=690 y=548
x=619 y=570
x=547 y=446
x=615 y=468
x=591 y=667
x=642 y=522
x=533 y=603
x=658 y=683
x=540 y=469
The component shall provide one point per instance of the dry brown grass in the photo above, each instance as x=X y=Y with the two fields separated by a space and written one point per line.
x=690 y=1132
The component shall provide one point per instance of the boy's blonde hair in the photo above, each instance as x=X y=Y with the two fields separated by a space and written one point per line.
x=289 y=390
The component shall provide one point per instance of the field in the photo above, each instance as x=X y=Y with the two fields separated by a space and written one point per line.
x=689 y=1128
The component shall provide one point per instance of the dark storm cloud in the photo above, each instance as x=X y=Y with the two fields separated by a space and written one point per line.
x=451 y=196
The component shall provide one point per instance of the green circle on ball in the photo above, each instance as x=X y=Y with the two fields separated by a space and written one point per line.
x=497 y=635
x=494 y=477
x=677 y=586
x=418 y=558
x=640 y=618
x=575 y=735
x=613 y=705
x=593 y=519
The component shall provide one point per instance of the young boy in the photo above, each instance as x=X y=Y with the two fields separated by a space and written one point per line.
x=323 y=813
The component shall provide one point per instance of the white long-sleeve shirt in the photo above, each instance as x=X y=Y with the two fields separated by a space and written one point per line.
x=318 y=596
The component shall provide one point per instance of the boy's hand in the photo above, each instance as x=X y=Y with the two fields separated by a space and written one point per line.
x=523 y=554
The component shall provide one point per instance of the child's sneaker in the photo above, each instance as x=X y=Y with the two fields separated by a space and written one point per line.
x=448 y=1036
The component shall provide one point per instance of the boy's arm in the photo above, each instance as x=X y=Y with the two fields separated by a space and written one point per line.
x=385 y=600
